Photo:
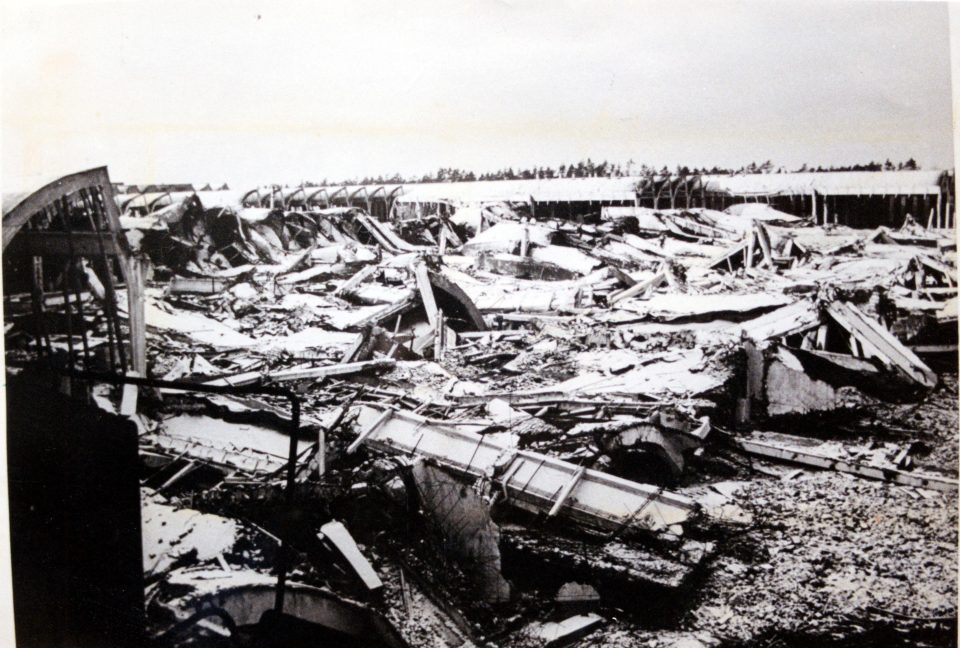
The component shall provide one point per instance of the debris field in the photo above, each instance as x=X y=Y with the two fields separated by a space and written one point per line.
x=649 y=427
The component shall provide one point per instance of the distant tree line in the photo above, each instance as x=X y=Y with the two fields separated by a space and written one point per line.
x=589 y=169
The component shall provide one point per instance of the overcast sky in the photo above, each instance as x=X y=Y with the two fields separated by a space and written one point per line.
x=256 y=92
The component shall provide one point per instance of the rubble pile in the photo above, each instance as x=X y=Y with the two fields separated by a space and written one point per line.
x=830 y=544
x=653 y=427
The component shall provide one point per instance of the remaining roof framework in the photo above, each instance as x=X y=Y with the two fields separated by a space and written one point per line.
x=833 y=183
x=850 y=197
x=68 y=235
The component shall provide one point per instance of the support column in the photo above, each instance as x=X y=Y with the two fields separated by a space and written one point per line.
x=137 y=314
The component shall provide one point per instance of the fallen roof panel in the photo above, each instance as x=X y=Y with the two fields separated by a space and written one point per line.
x=878 y=342
x=530 y=480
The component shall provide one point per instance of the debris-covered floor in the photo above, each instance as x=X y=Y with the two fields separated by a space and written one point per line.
x=658 y=428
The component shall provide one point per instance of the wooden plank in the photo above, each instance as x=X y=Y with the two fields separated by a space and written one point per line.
x=385 y=237
x=844 y=361
x=948 y=273
x=822 y=336
x=22 y=299
x=490 y=336
x=454 y=240
x=698 y=228
x=423 y=342
x=854 y=347
x=379 y=236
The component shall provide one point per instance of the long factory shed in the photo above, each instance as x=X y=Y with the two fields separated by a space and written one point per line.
x=863 y=199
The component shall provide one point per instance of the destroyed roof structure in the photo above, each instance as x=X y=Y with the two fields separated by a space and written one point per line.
x=66 y=239
x=665 y=410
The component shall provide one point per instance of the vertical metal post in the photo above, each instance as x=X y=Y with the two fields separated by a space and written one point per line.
x=68 y=307
x=42 y=337
x=75 y=279
x=137 y=315
x=65 y=215
x=284 y=555
x=111 y=302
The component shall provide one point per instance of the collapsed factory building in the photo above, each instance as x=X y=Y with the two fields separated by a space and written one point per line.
x=693 y=410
